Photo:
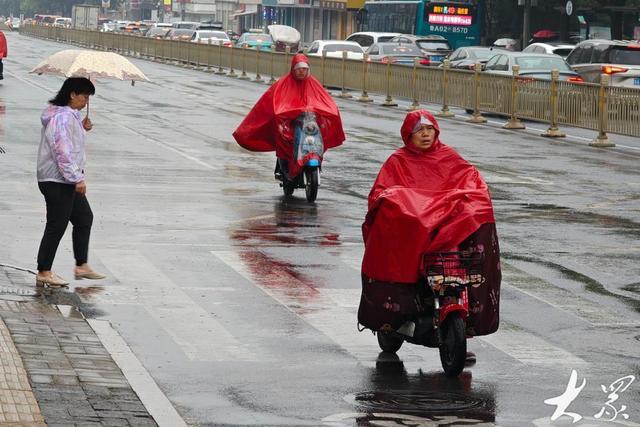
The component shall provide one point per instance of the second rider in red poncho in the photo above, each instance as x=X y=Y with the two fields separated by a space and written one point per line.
x=268 y=126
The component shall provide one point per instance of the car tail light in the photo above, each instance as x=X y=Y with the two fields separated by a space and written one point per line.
x=425 y=61
x=384 y=60
x=472 y=67
x=633 y=46
x=610 y=69
x=228 y=44
x=575 y=79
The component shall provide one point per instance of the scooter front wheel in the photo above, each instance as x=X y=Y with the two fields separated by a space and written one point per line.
x=388 y=342
x=312 y=180
x=453 y=348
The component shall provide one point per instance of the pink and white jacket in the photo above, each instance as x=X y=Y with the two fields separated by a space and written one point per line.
x=61 y=156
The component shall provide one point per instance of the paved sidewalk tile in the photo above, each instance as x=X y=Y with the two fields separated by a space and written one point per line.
x=54 y=369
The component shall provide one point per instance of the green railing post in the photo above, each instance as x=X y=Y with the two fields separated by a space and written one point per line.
x=415 y=105
x=220 y=45
x=244 y=76
x=258 y=77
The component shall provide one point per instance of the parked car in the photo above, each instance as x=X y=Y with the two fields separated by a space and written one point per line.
x=435 y=48
x=158 y=32
x=180 y=34
x=396 y=53
x=13 y=23
x=261 y=41
x=465 y=58
x=618 y=59
x=532 y=65
x=334 y=49
x=210 y=36
x=62 y=22
x=366 y=39
x=556 y=48
x=507 y=44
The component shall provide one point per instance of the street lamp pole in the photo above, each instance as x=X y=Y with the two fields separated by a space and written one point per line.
x=526 y=21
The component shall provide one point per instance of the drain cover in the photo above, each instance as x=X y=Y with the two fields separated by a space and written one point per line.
x=416 y=402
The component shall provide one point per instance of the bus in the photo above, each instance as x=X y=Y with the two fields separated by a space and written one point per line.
x=460 y=22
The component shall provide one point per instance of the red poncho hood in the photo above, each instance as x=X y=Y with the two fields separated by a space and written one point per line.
x=284 y=101
x=421 y=201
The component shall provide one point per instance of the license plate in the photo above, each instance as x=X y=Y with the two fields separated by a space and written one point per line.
x=636 y=81
x=437 y=58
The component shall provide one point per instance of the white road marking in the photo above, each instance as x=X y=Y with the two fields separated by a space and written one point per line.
x=331 y=311
x=145 y=387
x=199 y=335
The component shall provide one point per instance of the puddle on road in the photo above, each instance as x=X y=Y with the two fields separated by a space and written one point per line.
x=396 y=398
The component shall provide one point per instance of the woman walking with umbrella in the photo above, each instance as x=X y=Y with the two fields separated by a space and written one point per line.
x=61 y=180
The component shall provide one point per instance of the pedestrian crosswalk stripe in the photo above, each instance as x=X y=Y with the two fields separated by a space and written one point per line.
x=199 y=335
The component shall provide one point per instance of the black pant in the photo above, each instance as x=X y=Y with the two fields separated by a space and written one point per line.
x=64 y=204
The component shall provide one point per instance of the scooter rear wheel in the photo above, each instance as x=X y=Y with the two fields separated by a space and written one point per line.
x=288 y=186
x=453 y=350
x=388 y=342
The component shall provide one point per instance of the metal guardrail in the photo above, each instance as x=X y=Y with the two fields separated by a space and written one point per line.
x=591 y=106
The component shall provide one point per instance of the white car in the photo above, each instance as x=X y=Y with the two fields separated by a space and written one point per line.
x=561 y=49
x=13 y=23
x=334 y=49
x=213 y=36
x=366 y=39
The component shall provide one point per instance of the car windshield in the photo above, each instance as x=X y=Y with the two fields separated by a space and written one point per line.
x=258 y=38
x=342 y=47
x=433 y=45
x=541 y=63
x=212 y=35
x=624 y=55
x=404 y=49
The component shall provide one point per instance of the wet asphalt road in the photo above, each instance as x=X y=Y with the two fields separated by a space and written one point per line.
x=241 y=305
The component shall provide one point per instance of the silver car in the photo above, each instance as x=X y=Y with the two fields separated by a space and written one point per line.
x=532 y=65
x=619 y=59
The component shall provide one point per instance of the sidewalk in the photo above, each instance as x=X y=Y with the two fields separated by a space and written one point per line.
x=55 y=371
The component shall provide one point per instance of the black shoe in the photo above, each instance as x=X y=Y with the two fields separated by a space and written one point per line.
x=470 y=360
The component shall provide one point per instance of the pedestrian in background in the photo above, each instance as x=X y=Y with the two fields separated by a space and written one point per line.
x=61 y=179
x=3 y=52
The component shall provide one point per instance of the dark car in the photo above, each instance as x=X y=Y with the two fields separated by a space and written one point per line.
x=465 y=58
x=434 y=48
x=396 y=53
x=618 y=59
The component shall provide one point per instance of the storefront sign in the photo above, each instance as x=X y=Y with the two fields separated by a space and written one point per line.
x=338 y=5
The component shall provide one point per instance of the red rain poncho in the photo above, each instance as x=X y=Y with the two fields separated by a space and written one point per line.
x=3 y=46
x=267 y=126
x=421 y=202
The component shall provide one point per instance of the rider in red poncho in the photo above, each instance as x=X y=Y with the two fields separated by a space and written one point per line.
x=267 y=127
x=3 y=51
x=427 y=198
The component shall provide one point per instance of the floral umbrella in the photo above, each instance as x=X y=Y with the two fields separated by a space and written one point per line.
x=90 y=64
